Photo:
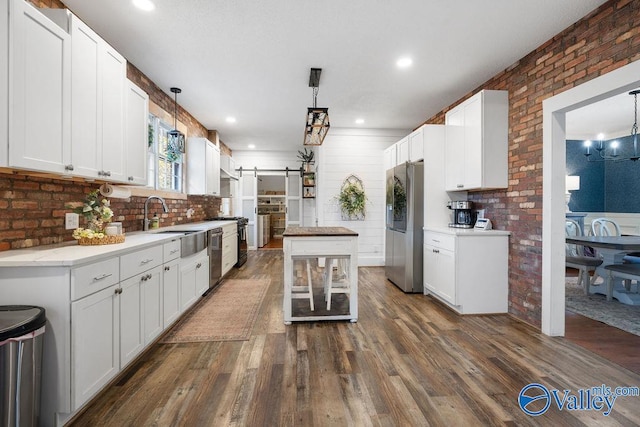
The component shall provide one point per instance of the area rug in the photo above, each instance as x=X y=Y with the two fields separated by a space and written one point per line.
x=596 y=306
x=227 y=314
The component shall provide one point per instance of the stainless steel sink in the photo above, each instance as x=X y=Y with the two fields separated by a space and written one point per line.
x=191 y=242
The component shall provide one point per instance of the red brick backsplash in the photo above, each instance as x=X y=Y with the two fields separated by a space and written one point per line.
x=32 y=210
x=607 y=39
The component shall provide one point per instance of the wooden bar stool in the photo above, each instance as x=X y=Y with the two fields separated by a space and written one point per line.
x=298 y=292
x=341 y=284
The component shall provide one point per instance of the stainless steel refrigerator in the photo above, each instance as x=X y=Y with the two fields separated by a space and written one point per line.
x=404 y=221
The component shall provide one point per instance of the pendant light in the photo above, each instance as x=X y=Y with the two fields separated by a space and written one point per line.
x=317 y=124
x=176 y=138
x=611 y=153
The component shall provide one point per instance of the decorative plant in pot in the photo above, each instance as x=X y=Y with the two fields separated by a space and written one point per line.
x=306 y=157
x=97 y=214
x=352 y=199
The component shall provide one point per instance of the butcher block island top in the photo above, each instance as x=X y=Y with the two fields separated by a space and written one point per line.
x=320 y=274
x=294 y=231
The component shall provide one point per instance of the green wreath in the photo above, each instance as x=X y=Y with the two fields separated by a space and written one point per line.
x=352 y=200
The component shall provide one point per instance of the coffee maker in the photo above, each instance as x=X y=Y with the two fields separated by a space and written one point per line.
x=463 y=214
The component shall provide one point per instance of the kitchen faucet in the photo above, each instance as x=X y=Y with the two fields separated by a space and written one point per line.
x=145 y=221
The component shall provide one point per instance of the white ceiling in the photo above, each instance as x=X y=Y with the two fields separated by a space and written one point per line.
x=251 y=59
x=612 y=117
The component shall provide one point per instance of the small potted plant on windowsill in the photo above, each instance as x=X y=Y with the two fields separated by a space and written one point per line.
x=306 y=157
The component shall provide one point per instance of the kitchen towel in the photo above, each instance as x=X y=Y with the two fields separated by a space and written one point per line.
x=115 y=192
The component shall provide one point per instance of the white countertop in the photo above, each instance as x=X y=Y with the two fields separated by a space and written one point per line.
x=467 y=231
x=72 y=254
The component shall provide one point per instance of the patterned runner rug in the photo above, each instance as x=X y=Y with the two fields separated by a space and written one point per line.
x=596 y=306
x=227 y=314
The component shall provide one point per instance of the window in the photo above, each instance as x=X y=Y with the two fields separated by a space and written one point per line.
x=165 y=161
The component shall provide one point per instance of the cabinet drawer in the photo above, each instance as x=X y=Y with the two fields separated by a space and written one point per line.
x=439 y=240
x=94 y=277
x=137 y=262
x=171 y=250
x=229 y=229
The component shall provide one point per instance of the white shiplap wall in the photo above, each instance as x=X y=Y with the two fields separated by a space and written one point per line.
x=359 y=152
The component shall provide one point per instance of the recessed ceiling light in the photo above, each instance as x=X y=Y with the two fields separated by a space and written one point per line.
x=230 y=119
x=404 y=62
x=251 y=146
x=359 y=121
x=146 y=5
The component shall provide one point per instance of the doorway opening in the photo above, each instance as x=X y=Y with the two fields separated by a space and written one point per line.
x=554 y=163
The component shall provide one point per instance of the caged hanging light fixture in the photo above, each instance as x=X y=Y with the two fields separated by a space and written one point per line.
x=176 y=138
x=317 y=124
x=611 y=152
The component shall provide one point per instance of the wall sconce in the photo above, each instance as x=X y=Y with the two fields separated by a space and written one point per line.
x=572 y=183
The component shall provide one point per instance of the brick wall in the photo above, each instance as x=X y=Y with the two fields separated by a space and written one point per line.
x=607 y=39
x=32 y=208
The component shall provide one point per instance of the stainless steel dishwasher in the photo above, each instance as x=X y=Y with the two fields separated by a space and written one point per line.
x=214 y=237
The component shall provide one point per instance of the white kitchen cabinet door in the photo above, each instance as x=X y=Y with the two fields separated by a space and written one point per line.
x=98 y=75
x=416 y=145
x=95 y=343
x=202 y=274
x=114 y=76
x=390 y=157
x=39 y=81
x=131 y=319
x=454 y=150
x=476 y=156
x=229 y=252
x=188 y=280
x=403 y=150
x=171 y=292
x=136 y=133
x=152 y=301
x=203 y=167
x=440 y=272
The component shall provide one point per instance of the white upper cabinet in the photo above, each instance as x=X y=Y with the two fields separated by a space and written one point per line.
x=35 y=121
x=98 y=83
x=390 y=157
x=416 y=144
x=203 y=167
x=403 y=150
x=136 y=133
x=476 y=154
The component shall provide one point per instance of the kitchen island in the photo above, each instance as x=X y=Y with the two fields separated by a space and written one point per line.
x=303 y=245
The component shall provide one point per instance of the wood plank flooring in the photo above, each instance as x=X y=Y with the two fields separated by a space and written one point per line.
x=408 y=361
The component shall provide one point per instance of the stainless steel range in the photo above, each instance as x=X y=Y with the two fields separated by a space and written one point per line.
x=242 y=235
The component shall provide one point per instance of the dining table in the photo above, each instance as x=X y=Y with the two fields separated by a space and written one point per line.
x=612 y=250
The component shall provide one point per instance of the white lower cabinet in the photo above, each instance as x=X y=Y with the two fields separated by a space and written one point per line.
x=194 y=274
x=102 y=315
x=171 y=292
x=95 y=343
x=131 y=334
x=229 y=247
x=468 y=270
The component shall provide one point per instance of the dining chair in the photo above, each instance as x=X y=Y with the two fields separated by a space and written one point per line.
x=604 y=227
x=575 y=258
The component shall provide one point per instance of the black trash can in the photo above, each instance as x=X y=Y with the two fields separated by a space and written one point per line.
x=21 y=335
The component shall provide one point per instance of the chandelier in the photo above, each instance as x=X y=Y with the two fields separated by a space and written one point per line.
x=611 y=152
x=176 y=138
x=317 y=124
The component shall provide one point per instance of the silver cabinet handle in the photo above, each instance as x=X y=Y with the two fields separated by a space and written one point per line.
x=146 y=261
x=436 y=251
x=107 y=173
x=167 y=268
x=174 y=251
x=102 y=277
x=118 y=291
x=198 y=265
x=460 y=186
x=130 y=178
x=68 y=167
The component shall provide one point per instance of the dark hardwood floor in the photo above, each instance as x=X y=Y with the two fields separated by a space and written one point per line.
x=408 y=361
